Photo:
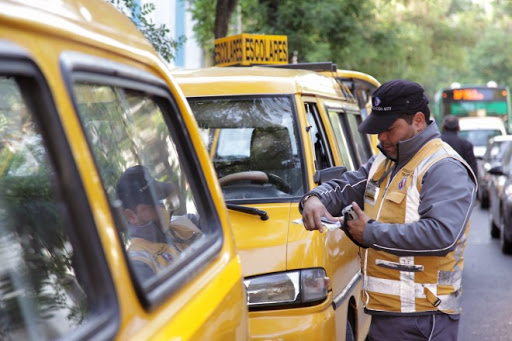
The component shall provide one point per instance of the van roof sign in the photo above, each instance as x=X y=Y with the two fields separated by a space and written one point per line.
x=251 y=49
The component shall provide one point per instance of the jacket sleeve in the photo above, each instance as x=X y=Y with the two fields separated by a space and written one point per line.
x=338 y=193
x=447 y=199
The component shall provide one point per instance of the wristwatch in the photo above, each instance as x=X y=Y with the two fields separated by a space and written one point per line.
x=307 y=197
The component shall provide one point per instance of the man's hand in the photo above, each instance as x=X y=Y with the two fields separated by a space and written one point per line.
x=312 y=211
x=356 y=227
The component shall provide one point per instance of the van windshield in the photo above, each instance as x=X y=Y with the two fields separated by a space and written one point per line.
x=253 y=143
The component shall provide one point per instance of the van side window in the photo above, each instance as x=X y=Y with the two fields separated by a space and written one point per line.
x=42 y=296
x=323 y=157
x=342 y=138
x=147 y=173
x=361 y=140
x=359 y=143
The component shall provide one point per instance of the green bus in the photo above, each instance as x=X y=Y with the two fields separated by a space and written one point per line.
x=479 y=101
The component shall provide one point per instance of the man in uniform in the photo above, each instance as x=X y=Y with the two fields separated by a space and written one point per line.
x=417 y=195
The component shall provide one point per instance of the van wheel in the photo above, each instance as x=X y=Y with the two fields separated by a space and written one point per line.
x=350 y=332
x=495 y=230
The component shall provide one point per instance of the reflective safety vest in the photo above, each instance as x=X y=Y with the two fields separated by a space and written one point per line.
x=156 y=255
x=410 y=284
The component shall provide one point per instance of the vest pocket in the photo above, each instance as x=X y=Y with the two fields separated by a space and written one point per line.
x=397 y=266
x=395 y=196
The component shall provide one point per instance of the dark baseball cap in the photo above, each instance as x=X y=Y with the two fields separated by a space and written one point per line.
x=451 y=122
x=137 y=186
x=392 y=100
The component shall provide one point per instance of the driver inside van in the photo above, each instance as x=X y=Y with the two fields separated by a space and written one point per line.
x=154 y=243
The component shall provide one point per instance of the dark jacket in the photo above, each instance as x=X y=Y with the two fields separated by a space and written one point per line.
x=461 y=146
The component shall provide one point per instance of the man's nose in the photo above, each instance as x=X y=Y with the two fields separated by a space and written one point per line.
x=382 y=136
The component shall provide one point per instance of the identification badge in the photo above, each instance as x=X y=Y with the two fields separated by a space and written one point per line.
x=372 y=193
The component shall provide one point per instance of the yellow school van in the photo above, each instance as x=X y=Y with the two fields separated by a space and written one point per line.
x=113 y=226
x=272 y=135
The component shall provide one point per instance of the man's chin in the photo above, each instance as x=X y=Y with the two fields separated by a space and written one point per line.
x=390 y=153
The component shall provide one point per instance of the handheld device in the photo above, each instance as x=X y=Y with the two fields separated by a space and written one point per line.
x=349 y=213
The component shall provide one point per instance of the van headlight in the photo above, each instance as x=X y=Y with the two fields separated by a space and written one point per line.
x=287 y=289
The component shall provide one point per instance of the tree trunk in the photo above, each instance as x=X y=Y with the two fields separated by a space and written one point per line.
x=223 y=13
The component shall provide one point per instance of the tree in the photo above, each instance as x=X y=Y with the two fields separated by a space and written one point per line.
x=223 y=12
x=208 y=27
x=158 y=35
x=434 y=42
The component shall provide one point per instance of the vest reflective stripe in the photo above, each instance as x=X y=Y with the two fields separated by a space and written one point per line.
x=413 y=283
x=156 y=255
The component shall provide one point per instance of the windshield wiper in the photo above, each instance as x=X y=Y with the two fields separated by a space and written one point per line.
x=249 y=210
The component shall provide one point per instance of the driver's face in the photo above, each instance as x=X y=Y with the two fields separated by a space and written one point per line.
x=145 y=214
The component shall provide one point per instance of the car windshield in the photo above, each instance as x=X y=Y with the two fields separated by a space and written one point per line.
x=479 y=137
x=253 y=143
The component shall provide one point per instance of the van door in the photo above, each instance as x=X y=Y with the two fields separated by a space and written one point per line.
x=54 y=278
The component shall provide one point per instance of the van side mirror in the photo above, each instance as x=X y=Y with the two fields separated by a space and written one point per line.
x=327 y=174
x=496 y=170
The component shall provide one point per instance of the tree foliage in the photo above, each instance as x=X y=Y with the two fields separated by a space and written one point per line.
x=434 y=42
x=158 y=35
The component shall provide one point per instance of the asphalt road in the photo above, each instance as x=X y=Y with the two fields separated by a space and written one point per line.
x=487 y=285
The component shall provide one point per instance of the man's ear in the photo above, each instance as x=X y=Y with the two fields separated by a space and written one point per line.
x=131 y=216
x=419 y=121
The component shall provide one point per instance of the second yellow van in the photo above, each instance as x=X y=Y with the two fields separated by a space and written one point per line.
x=273 y=134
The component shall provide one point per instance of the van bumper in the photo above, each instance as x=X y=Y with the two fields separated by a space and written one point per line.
x=310 y=323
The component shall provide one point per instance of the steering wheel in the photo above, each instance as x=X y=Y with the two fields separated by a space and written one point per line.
x=279 y=182
x=256 y=176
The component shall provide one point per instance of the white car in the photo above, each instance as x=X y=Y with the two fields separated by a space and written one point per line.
x=478 y=130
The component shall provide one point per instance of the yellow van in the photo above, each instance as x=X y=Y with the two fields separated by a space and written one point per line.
x=273 y=134
x=86 y=102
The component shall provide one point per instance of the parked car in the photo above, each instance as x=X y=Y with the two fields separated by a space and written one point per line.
x=500 y=197
x=478 y=130
x=84 y=98
x=496 y=147
x=273 y=134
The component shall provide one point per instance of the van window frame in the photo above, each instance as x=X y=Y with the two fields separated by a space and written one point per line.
x=81 y=67
x=81 y=229
x=315 y=113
